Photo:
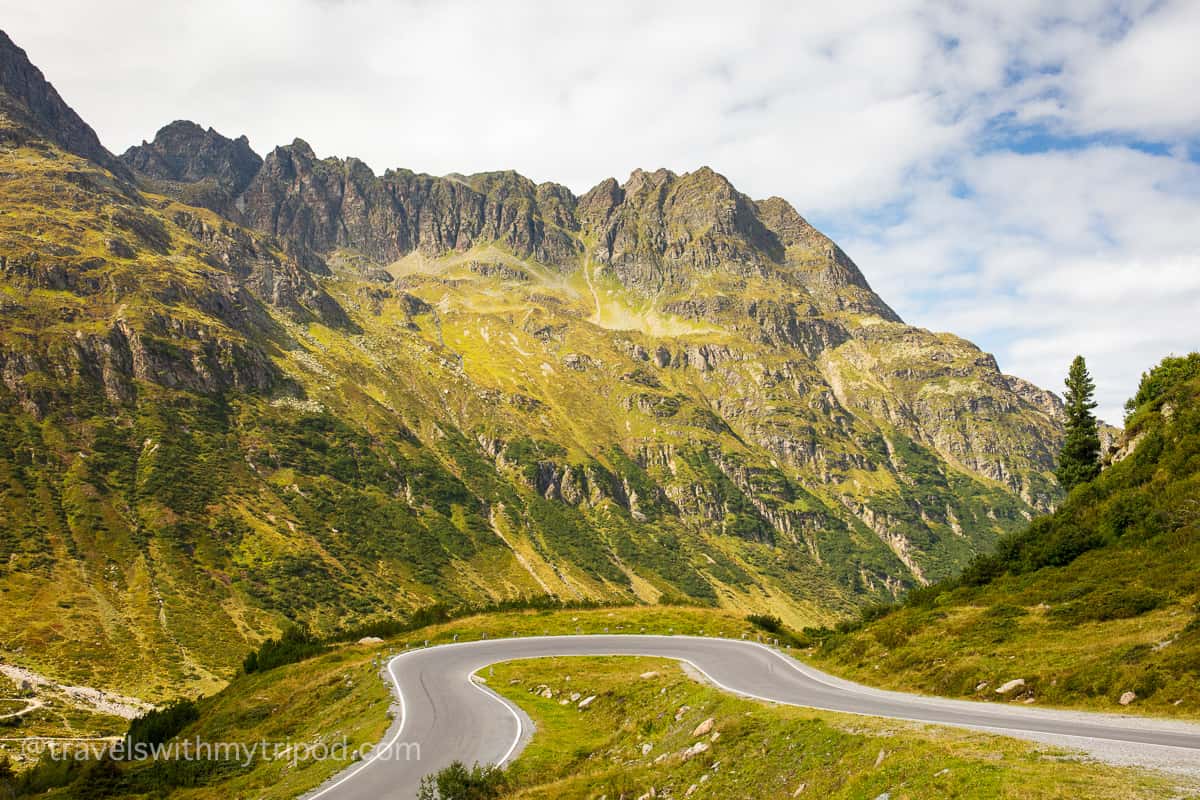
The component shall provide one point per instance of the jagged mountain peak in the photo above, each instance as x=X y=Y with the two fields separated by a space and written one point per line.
x=302 y=148
x=30 y=102
x=186 y=128
x=657 y=232
x=641 y=179
x=597 y=204
x=648 y=180
x=301 y=156
x=198 y=165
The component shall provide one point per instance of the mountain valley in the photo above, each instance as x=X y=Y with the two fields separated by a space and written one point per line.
x=241 y=393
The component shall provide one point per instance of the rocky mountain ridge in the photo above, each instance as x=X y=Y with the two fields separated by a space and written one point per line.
x=197 y=166
x=655 y=232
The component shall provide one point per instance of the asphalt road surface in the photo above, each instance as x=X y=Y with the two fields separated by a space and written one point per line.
x=451 y=717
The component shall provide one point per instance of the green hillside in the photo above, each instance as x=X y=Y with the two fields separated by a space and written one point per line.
x=321 y=396
x=1097 y=600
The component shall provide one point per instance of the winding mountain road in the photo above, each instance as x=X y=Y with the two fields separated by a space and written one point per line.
x=452 y=717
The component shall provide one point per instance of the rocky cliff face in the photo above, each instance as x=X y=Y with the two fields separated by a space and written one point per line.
x=345 y=392
x=325 y=204
x=35 y=110
x=196 y=165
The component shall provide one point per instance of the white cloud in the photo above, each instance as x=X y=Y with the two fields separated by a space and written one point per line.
x=560 y=92
x=878 y=119
x=1050 y=255
x=1144 y=82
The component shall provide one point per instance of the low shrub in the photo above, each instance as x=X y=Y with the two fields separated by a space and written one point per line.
x=1109 y=604
x=295 y=645
x=926 y=596
x=456 y=782
x=774 y=626
x=160 y=724
x=767 y=622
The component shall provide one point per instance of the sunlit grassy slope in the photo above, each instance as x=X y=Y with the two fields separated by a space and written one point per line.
x=1098 y=600
x=203 y=441
x=631 y=740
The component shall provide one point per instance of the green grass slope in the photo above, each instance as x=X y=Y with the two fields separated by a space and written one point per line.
x=208 y=435
x=339 y=695
x=1099 y=599
x=632 y=741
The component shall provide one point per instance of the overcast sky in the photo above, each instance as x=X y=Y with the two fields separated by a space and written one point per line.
x=1025 y=174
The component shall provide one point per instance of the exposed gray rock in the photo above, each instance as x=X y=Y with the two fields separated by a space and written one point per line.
x=28 y=99
x=1010 y=686
x=197 y=166
x=324 y=204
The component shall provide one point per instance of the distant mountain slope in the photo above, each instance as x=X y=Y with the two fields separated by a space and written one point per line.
x=31 y=108
x=347 y=395
x=1097 y=604
x=689 y=249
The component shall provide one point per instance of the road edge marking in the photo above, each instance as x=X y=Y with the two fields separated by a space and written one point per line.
x=489 y=692
x=378 y=750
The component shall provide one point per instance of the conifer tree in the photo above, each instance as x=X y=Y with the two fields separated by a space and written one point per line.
x=1079 y=460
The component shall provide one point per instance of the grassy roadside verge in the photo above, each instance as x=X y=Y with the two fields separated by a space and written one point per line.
x=340 y=696
x=633 y=738
x=971 y=649
x=1121 y=621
